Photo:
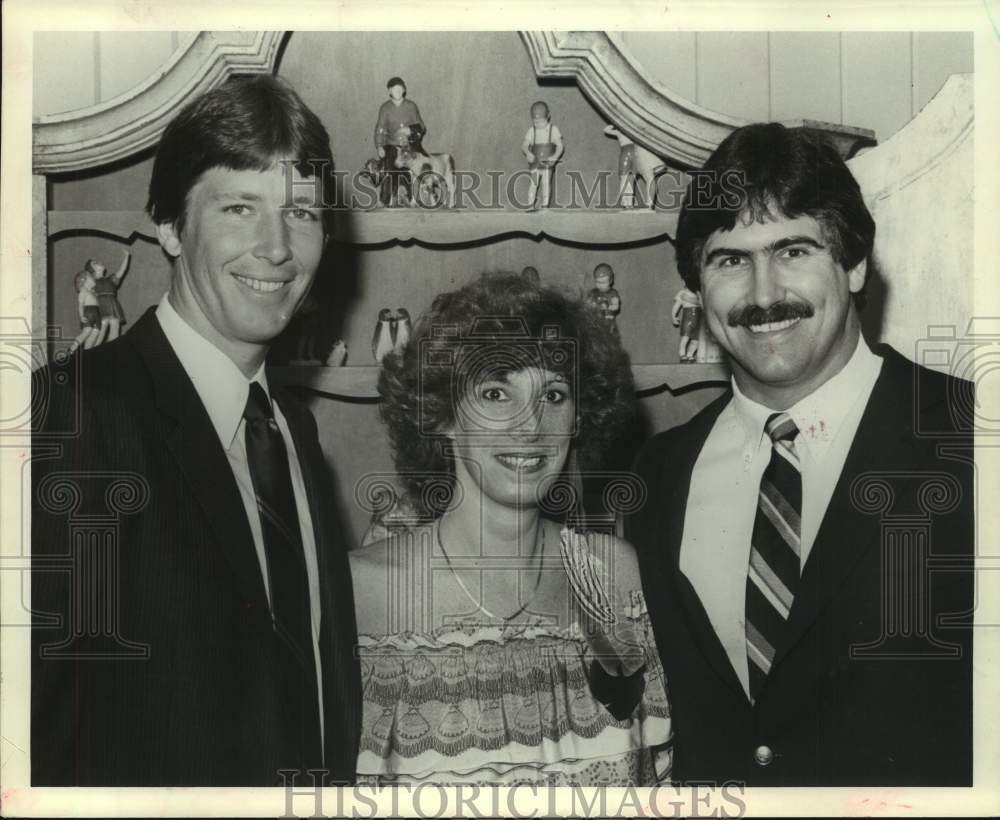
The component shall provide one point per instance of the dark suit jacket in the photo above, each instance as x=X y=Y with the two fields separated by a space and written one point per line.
x=856 y=695
x=161 y=666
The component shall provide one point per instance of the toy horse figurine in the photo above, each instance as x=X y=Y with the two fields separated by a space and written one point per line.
x=635 y=162
x=432 y=176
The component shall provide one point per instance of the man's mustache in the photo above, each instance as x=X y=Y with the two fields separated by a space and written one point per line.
x=779 y=312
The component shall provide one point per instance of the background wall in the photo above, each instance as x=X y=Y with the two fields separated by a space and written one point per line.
x=756 y=75
x=76 y=69
x=474 y=90
x=877 y=80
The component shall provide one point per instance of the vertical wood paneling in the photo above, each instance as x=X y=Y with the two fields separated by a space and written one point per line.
x=667 y=56
x=861 y=79
x=127 y=58
x=937 y=55
x=805 y=76
x=876 y=77
x=63 y=71
x=733 y=73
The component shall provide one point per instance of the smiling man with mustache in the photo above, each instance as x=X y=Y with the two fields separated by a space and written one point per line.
x=802 y=646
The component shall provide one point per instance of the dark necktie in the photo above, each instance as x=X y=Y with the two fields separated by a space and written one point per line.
x=773 y=574
x=279 y=521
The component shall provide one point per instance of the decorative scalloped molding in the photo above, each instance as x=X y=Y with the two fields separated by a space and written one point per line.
x=920 y=146
x=665 y=123
x=116 y=129
x=684 y=133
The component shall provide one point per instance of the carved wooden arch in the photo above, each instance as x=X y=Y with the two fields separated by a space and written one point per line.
x=665 y=123
x=118 y=128
x=670 y=126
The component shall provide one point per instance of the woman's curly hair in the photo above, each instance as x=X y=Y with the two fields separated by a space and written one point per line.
x=510 y=323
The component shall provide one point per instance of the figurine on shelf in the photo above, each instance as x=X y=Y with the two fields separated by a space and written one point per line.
x=686 y=315
x=531 y=274
x=403 y=329
x=603 y=297
x=543 y=147
x=384 y=337
x=635 y=162
x=90 y=313
x=392 y=132
x=697 y=344
x=106 y=288
x=101 y=314
x=338 y=355
x=432 y=176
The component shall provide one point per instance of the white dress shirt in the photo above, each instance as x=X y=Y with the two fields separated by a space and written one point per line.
x=223 y=390
x=725 y=481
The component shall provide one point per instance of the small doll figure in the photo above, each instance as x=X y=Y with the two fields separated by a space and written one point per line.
x=106 y=288
x=101 y=314
x=686 y=315
x=90 y=313
x=634 y=162
x=603 y=297
x=543 y=147
x=396 y=116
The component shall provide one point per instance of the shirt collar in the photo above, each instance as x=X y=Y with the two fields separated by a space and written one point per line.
x=220 y=384
x=820 y=415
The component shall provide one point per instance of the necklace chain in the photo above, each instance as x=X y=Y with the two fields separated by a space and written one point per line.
x=479 y=604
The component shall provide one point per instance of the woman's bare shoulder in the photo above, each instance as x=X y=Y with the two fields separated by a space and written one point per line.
x=381 y=567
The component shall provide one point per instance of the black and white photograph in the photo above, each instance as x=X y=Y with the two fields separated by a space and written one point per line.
x=405 y=416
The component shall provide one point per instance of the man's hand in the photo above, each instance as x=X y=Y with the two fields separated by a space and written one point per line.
x=381 y=152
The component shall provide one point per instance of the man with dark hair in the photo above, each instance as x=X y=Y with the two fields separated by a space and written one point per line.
x=221 y=652
x=805 y=641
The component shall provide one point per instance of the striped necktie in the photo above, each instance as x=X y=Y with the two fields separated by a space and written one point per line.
x=773 y=574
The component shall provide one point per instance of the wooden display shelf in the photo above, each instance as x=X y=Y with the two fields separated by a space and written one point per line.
x=359 y=382
x=605 y=226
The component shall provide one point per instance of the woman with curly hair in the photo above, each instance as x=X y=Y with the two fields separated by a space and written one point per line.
x=496 y=645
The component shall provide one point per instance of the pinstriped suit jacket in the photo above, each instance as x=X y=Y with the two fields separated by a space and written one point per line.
x=175 y=678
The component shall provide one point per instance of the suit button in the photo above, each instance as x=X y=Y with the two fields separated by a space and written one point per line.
x=763 y=755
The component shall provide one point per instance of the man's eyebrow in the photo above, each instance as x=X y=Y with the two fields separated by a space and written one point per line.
x=777 y=245
x=245 y=195
x=305 y=200
x=788 y=241
x=715 y=253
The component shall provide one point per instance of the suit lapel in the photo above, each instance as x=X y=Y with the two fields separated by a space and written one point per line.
x=195 y=445
x=337 y=625
x=883 y=442
x=671 y=523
